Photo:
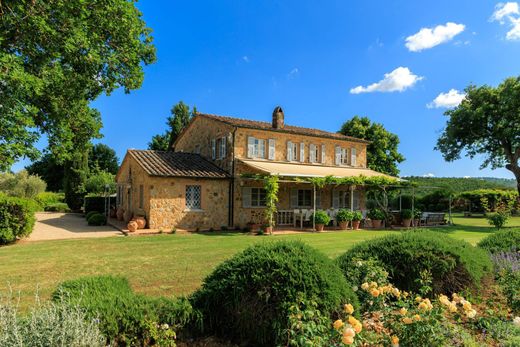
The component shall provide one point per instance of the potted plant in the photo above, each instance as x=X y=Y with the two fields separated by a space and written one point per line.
x=343 y=217
x=406 y=217
x=417 y=217
x=357 y=216
x=376 y=217
x=321 y=218
x=253 y=227
x=268 y=229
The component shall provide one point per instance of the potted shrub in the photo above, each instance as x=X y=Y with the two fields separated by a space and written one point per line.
x=376 y=217
x=406 y=217
x=357 y=216
x=253 y=227
x=417 y=217
x=343 y=217
x=321 y=218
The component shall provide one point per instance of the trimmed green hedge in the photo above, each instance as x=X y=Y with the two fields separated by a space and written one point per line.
x=125 y=318
x=96 y=219
x=501 y=241
x=455 y=265
x=247 y=297
x=16 y=218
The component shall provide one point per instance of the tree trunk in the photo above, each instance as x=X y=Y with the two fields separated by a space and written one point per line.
x=515 y=169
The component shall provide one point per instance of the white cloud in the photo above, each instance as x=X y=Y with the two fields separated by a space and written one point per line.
x=428 y=37
x=293 y=73
x=428 y=175
x=395 y=81
x=508 y=12
x=467 y=177
x=447 y=100
x=246 y=58
x=502 y=10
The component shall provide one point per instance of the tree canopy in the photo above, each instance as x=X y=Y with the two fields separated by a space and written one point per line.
x=56 y=56
x=382 y=152
x=103 y=158
x=180 y=116
x=486 y=123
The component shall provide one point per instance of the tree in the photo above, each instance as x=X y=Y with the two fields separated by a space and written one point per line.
x=104 y=158
x=486 y=123
x=177 y=121
x=56 y=56
x=49 y=170
x=75 y=177
x=21 y=184
x=382 y=153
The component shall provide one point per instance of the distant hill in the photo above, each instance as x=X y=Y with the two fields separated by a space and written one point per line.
x=459 y=184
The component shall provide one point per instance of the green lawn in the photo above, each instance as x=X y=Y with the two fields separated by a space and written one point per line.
x=160 y=264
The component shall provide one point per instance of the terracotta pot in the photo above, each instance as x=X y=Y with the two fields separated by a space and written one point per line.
x=320 y=227
x=407 y=223
x=254 y=227
x=343 y=225
x=355 y=224
x=120 y=213
x=127 y=216
x=141 y=222
x=268 y=230
x=376 y=224
x=132 y=226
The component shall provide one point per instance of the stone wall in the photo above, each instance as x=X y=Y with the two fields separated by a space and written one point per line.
x=164 y=203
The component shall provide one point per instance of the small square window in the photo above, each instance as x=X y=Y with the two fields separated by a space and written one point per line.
x=257 y=197
x=193 y=197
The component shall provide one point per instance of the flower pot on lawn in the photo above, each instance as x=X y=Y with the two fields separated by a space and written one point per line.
x=320 y=227
x=141 y=222
x=343 y=225
x=407 y=223
x=355 y=224
x=376 y=223
x=132 y=226
x=268 y=230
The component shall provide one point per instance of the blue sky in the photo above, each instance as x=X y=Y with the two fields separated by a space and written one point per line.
x=242 y=58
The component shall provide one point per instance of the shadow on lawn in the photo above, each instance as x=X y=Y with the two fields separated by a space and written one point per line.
x=458 y=227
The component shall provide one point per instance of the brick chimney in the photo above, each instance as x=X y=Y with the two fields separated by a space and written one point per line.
x=278 y=122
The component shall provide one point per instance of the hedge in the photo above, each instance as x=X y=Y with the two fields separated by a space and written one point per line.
x=501 y=241
x=97 y=203
x=16 y=218
x=454 y=264
x=246 y=298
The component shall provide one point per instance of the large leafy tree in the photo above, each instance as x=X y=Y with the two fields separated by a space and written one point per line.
x=56 y=56
x=382 y=152
x=486 y=123
x=49 y=170
x=180 y=116
x=103 y=158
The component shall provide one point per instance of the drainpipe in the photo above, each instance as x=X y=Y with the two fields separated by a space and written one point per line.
x=231 y=209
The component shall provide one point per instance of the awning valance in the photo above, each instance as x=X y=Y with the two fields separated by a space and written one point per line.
x=306 y=170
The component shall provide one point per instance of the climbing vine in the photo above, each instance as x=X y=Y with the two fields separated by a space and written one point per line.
x=271 y=198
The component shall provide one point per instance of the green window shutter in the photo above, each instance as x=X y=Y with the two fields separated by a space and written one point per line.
x=294 y=198
x=246 y=197
x=335 y=198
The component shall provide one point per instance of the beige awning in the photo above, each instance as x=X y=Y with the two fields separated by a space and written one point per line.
x=306 y=170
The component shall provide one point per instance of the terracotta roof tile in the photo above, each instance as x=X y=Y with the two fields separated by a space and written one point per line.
x=253 y=124
x=176 y=164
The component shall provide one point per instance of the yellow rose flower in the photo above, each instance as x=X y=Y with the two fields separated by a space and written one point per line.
x=471 y=313
x=418 y=299
x=416 y=317
x=352 y=321
x=374 y=292
x=423 y=306
x=349 y=309
x=466 y=306
x=338 y=324
x=407 y=320
x=443 y=299
x=349 y=332
x=358 y=327
x=452 y=307
x=396 y=292
x=403 y=311
x=395 y=341
x=373 y=284
x=364 y=286
x=347 y=340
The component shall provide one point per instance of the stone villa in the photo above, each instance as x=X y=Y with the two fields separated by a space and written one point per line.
x=202 y=182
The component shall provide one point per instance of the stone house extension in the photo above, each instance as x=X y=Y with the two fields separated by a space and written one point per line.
x=201 y=183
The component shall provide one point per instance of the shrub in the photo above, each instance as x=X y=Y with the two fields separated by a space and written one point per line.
x=344 y=215
x=125 y=317
x=16 y=218
x=357 y=215
x=21 y=184
x=376 y=214
x=90 y=214
x=49 y=324
x=406 y=214
x=97 y=182
x=96 y=219
x=57 y=207
x=97 y=203
x=247 y=297
x=454 y=264
x=498 y=219
x=45 y=199
x=321 y=217
x=501 y=241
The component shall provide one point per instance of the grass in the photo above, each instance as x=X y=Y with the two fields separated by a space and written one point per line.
x=158 y=265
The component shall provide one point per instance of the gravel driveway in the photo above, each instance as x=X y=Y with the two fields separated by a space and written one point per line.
x=59 y=226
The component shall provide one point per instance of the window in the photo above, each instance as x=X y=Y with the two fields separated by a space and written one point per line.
x=193 y=198
x=272 y=149
x=302 y=152
x=341 y=156
x=292 y=151
x=304 y=197
x=323 y=154
x=141 y=196
x=314 y=153
x=255 y=147
x=353 y=157
x=341 y=199
x=253 y=197
x=213 y=149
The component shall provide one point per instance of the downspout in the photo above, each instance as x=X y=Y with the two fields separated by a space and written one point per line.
x=231 y=214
